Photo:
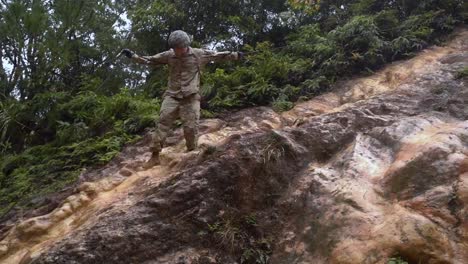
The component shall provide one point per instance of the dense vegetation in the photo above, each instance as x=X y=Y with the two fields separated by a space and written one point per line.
x=66 y=102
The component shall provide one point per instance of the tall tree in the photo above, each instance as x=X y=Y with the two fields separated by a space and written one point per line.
x=54 y=45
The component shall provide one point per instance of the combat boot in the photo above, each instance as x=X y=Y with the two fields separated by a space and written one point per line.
x=153 y=161
x=191 y=146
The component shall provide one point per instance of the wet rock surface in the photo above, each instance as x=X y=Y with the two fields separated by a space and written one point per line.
x=359 y=176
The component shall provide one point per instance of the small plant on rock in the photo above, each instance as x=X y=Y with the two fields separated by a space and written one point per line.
x=463 y=73
x=396 y=260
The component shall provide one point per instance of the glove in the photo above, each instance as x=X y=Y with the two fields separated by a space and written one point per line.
x=240 y=55
x=128 y=53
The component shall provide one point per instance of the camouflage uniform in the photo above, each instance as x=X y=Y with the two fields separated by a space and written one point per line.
x=182 y=98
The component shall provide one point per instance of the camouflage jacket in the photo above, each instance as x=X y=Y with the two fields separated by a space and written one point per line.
x=184 y=72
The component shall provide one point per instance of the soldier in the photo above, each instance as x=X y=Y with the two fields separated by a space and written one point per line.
x=182 y=98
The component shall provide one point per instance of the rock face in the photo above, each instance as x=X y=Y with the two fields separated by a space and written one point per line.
x=353 y=178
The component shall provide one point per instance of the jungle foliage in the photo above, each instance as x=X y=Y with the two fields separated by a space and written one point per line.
x=66 y=102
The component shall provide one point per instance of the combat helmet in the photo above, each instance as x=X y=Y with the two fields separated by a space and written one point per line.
x=179 y=39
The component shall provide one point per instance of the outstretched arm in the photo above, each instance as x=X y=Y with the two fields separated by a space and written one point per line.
x=160 y=58
x=209 y=55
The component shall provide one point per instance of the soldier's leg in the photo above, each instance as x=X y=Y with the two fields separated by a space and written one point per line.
x=167 y=115
x=190 y=115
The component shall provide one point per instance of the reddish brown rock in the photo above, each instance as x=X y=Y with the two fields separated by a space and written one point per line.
x=377 y=169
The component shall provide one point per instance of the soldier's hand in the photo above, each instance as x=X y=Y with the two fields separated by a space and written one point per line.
x=128 y=53
x=240 y=55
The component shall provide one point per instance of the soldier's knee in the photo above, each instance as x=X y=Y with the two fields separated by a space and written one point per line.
x=155 y=136
x=163 y=128
x=165 y=120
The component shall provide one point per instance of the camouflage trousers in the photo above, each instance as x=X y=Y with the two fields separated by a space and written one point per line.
x=188 y=110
